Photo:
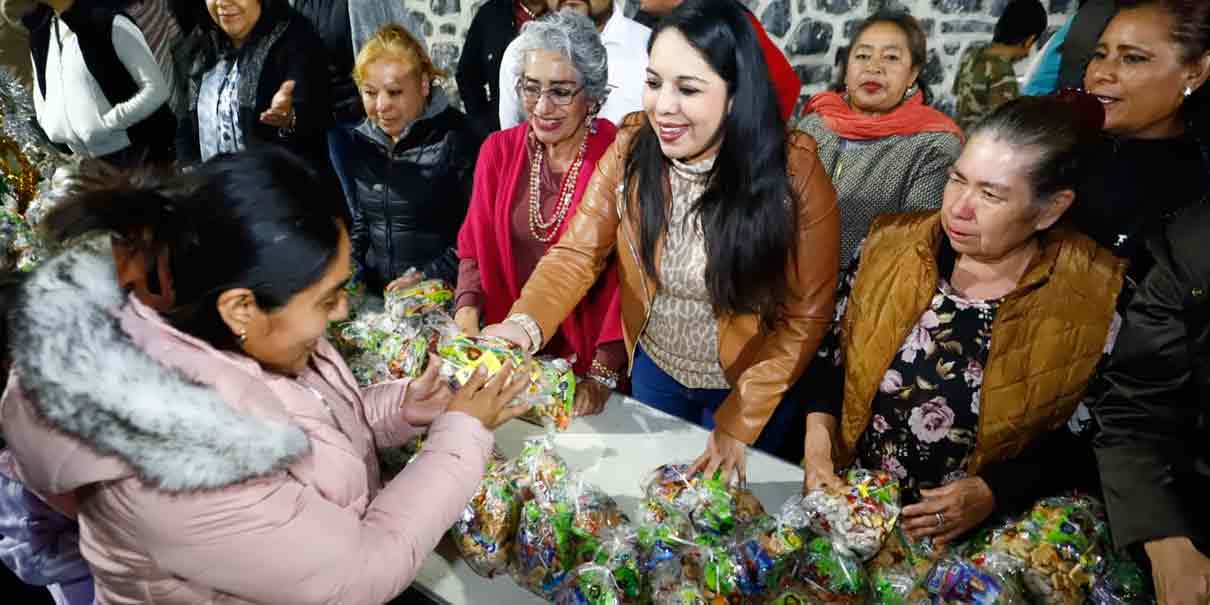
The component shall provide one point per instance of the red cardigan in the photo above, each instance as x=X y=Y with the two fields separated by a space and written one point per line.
x=485 y=237
x=785 y=79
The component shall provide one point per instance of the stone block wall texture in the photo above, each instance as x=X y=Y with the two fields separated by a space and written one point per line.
x=812 y=33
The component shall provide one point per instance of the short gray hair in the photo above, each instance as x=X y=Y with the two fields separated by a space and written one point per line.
x=575 y=37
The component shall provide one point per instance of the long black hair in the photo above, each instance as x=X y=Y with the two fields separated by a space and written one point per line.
x=243 y=220
x=746 y=212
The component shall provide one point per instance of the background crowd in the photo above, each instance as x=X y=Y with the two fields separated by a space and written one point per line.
x=994 y=307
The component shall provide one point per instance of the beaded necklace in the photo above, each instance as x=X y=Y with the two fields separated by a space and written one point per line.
x=544 y=231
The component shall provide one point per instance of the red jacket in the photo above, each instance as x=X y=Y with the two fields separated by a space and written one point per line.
x=785 y=79
x=484 y=237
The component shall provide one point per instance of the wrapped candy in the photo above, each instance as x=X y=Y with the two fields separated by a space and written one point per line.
x=1060 y=543
x=958 y=580
x=543 y=547
x=711 y=505
x=562 y=520
x=859 y=517
x=767 y=547
x=484 y=533
x=552 y=388
x=1121 y=582
x=821 y=574
x=589 y=584
x=554 y=536
x=612 y=577
x=896 y=585
x=539 y=472
x=379 y=347
x=898 y=571
x=426 y=297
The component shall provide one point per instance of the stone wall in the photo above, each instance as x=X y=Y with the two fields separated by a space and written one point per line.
x=810 y=32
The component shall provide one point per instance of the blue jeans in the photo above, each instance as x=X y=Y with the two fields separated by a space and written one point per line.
x=655 y=388
x=340 y=137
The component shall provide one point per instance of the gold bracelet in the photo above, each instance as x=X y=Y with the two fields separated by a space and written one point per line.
x=604 y=375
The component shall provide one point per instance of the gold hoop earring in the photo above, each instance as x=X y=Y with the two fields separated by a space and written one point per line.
x=243 y=337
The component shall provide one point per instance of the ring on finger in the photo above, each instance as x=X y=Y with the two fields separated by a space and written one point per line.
x=940 y=519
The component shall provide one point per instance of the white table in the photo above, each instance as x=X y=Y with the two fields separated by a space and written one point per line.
x=614 y=451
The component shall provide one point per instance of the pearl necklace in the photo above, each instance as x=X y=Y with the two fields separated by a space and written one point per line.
x=544 y=231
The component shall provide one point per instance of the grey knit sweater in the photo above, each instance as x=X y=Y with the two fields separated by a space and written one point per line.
x=883 y=176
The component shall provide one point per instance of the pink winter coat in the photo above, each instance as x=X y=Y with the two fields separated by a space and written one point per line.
x=201 y=478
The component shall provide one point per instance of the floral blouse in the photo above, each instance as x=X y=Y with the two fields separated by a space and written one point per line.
x=926 y=410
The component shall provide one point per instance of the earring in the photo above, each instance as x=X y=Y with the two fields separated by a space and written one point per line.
x=243 y=337
x=1188 y=90
x=912 y=90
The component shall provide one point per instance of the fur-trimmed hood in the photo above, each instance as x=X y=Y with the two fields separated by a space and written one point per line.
x=90 y=402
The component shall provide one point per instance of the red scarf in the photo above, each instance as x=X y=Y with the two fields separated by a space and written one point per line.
x=485 y=237
x=911 y=117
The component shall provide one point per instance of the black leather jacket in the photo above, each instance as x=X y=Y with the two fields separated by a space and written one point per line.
x=1154 y=445
x=478 y=74
x=410 y=196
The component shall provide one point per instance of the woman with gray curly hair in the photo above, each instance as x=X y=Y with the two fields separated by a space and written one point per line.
x=528 y=183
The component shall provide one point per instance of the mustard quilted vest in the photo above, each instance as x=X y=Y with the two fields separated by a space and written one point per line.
x=1047 y=336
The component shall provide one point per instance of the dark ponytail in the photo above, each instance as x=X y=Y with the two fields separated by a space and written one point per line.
x=1064 y=129
x=245 y=220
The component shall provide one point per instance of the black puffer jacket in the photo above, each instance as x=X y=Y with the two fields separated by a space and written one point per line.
x=410 y=197
x=1154 y=446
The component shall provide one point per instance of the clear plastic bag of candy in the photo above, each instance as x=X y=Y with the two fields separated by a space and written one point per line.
x=611 y=577
x=859 y=517
x=767 y=547
x=543 y=547
x=677 y=571
x=896 y=585
x=428 y=296
x=539 y=472
x=1121 y=582
x=712 y=506
x=822 y=574
x=898 y=571
x=552 y=388
x=484 y=533
x=551 y=541
x=1061 y=542
x=958 y=580
x=561 y=527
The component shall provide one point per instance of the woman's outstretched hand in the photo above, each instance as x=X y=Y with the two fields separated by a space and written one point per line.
x=724 y=454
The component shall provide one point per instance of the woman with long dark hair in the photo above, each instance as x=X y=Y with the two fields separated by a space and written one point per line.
x=218 y=446
x=726 y=231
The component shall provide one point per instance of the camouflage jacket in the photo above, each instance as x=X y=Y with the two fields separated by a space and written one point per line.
x=984 y=82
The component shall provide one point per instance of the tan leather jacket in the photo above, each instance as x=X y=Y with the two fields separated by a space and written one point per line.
x=760 y=363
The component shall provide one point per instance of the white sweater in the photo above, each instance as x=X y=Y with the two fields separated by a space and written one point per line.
x=73 y=109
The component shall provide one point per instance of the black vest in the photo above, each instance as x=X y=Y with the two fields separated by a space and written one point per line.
x=93 y=25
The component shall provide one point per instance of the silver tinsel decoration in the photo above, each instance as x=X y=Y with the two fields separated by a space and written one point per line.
x=17 y=122
x=21 y=246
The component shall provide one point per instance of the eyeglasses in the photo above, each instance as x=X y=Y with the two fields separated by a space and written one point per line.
x=532 y=92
